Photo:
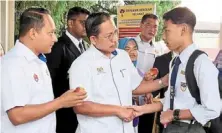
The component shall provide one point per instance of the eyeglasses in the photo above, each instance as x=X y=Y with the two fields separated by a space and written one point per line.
x=112 y=36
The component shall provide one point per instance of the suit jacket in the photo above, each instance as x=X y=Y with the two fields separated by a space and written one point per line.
x=64 y=52
x=162 y=64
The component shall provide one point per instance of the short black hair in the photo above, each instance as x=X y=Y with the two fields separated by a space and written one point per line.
x=148 y=15
x=75 y=11
x=181 y=15
x=94 y=21
x=32 y=18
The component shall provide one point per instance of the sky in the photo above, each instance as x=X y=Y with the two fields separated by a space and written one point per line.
x=205 y=10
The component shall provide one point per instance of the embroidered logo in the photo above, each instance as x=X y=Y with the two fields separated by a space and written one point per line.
x=36 y=78
x=100 y=70
x=183 y=86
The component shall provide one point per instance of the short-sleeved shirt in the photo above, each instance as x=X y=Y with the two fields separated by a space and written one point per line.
x=206 y=76
x=106 y=81
x=147 y=53
x=25 y=81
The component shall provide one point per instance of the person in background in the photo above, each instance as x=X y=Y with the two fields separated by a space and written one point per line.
x=69 y=47
x=131 y=47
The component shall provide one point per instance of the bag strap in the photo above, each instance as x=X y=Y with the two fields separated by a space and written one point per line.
x=190 y=77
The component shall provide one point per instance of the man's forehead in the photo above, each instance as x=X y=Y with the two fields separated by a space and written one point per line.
x=49 y=21
x=81 y=16
x=151 y=20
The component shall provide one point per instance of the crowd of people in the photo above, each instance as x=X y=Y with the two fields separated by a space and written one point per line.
x=67 y=85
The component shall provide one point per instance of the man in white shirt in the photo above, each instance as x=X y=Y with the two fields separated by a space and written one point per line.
x=109 y=78
x=69 y=46
x=28 y=103
x=177 y=114
x=147 y=49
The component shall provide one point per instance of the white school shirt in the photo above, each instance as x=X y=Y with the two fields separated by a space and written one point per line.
x=106 y=81
x=206 y=75
x=25 y=81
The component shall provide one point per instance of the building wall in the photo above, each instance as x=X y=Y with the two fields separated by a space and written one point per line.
x=7 y=24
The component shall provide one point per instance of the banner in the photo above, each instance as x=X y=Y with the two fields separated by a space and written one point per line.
x=129 y=18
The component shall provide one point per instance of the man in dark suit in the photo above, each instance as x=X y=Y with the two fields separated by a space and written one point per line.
x=69 y=46
x=162 y=64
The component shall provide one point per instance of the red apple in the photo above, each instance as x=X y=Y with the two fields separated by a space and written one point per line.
x=79 y=89
x=154 y=71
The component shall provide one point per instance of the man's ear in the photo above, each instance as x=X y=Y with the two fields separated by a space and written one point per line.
x=69 y=23
x=32 y=33
x=141 y=25
x=93 y=40
x=184 y=29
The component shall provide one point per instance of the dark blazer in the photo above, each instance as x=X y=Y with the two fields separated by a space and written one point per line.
x=162 y=64
x=64 y=52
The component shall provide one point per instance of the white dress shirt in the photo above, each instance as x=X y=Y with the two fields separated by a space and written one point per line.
x=106 y=81
x=25 y=81
x=206 y=76
x=147 y=54
x=74 y=40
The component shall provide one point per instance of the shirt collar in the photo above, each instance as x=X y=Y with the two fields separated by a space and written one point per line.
x=138 y=39
x=25 y=51
x=73 y=39
x=185 y=54
x=98 y=53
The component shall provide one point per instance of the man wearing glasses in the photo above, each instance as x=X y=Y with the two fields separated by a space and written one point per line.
x=109 y=77
x=69 y=47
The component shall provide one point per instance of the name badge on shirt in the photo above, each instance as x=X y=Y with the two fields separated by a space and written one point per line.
x=183 y=86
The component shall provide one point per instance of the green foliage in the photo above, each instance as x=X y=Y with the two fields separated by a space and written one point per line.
x=59 y=9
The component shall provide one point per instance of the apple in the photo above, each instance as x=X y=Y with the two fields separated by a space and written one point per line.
x=154 y=71
x=79 y=89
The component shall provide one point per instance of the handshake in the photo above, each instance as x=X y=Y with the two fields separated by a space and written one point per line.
x=128 y=113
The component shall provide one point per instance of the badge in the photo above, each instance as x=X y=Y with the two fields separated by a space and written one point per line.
x=183 y=86
x=100 y=70
x=182 y=72
x=36 y=78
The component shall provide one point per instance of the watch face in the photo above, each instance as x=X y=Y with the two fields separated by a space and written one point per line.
x=176 y=114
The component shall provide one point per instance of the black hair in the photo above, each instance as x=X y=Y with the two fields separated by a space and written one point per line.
x=181 y=15
x=148 y=15
x=75 y=11
x=32 y=18
x=94 y=21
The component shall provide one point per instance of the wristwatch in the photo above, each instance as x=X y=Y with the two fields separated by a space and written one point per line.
x=176 y=114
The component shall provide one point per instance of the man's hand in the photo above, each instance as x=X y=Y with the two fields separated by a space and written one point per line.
x=166 y=116
x=126 y=114
x=71 y=98
x=138 y=110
